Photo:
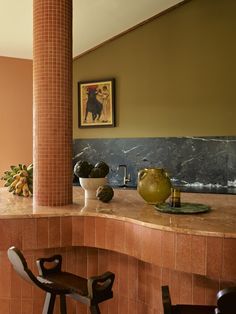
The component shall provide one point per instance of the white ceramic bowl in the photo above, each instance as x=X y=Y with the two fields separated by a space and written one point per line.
x=90 y=186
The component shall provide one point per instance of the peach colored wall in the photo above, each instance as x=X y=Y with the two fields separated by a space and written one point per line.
x=15 y=112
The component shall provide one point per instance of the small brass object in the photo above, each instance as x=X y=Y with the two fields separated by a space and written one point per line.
x=175 y=198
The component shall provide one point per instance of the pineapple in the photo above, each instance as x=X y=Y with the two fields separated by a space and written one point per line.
x=19 y=180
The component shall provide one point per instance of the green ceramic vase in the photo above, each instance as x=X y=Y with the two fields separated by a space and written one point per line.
x=154 y=185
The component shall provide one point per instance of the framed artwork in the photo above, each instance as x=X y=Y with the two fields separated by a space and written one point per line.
x=96 y=100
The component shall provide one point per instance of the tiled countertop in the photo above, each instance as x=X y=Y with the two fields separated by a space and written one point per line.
x=127 y=205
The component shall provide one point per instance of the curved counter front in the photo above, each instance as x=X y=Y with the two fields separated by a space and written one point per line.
x=193 y=254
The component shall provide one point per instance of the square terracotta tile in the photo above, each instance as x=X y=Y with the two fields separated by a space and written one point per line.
x=29 y=239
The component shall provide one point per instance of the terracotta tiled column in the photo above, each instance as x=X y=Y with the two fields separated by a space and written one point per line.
x=52 y=81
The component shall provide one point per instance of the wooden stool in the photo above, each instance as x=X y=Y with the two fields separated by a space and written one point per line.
x=183 y=308
x=226 y=304
x=53 y=281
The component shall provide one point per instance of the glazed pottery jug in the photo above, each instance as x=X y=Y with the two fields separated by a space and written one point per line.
x=154 y=185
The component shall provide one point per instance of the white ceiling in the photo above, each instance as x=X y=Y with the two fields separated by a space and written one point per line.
x=94 y=21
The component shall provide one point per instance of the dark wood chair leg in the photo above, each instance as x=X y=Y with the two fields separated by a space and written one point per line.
x=94 y=309
x=49 y=302
x=63 y=303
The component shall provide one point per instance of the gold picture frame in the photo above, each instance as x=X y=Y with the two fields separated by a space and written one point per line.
x=96 y=101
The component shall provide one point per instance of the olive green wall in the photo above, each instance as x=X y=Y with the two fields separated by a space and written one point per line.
x=175 y=76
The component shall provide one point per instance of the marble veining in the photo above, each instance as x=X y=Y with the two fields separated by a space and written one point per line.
x=190 y=161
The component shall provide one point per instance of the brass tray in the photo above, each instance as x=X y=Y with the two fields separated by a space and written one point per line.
x=186 y=208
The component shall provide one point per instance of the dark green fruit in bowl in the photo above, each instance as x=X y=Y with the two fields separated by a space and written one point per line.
x=103 y=166
x=82 y=169
x=96 y=173
x=105 y=193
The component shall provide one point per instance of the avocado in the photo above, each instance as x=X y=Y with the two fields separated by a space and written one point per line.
x=96 y=173
x=104 y=193
x=103 y=166
x=82 y=169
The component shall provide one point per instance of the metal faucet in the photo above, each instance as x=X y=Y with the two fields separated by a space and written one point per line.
x=126 y=177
